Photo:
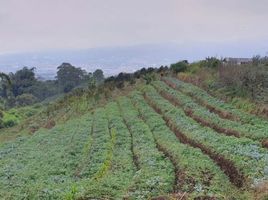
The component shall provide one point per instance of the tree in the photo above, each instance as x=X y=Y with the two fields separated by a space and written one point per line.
x=25 y=99
x=98 y=76
x=179 y=66
x=22 y=80
x=5 y=83
x=162 y=70
x=149 y=77
x=92 y=86
x=5 y=77
x=110 y=82
x=211 y=62
x=256 y=60
x=69 y=77
x=43 y=89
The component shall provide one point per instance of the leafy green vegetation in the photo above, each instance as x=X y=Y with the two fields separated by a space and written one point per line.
x=244 y=84
x=120 y=168
x=228 y=126
x=196 y=173
x=202 y=95
x=246 y=155
x=166 y=139
x=179 y=66
x=43 y=166
x=155 y=173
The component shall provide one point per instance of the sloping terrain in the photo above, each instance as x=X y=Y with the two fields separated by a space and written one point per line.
x=167 y=140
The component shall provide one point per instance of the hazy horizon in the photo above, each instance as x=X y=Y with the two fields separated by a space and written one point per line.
x=113 y=60
x=122 y=35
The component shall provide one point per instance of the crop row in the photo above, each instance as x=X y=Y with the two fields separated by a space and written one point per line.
x=98 y=152
x=100 y=148
x=43 y=166
x=225 y=110
x=202 y=115
x=155 y=173
x=233 y=155
x=197 y=175
x=114 y=184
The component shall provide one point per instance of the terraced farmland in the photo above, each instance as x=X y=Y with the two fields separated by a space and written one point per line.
x=167 y=140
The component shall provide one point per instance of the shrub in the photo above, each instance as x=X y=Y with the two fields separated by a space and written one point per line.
x=25 y=99
x=211 y=62
x=251 y=79
x=179 y=66
x=10 y=123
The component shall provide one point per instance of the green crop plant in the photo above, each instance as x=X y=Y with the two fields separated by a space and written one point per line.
x=120 y=169
x=155 y=173
x=203 y=96
x=246 y=155
x=42 y=166
x=197 y=175
x=187 y=103
x=107 y=163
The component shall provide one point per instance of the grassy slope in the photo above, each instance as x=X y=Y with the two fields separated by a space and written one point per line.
x=57 y=111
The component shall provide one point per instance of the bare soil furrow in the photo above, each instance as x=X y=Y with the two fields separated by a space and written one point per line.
x=226 y=165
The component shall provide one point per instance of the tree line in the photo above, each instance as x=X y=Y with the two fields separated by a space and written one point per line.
x=23 y=88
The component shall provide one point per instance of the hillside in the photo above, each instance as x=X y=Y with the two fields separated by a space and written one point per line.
x=167 y=139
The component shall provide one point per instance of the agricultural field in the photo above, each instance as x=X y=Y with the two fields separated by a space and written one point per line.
x=165 y=140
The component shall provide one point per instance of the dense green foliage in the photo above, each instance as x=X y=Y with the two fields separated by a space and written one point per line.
x=246 y=130
x=26 y=89
x=156 y=174
x=200 y=175
x=214 y=102
x=130 y=148
x=179 y=66
x=159 y=141
x=248 y=156
x=114 y=183
x=43 y=166
x=69 y=76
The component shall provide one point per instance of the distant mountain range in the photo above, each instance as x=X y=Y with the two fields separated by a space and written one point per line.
x=111 y=60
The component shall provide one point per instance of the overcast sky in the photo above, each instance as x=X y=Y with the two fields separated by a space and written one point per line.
x=30 y=25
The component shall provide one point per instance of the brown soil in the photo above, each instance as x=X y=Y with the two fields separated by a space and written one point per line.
x=217 y=128
x=50 y=124
x=200 y=120
x=265 y=143
x=221 y=113
x=226 y=165
x=261 y=191
x=135 y=157
x=178 y=180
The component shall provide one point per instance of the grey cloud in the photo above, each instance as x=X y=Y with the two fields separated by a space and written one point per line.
x=28 y=25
